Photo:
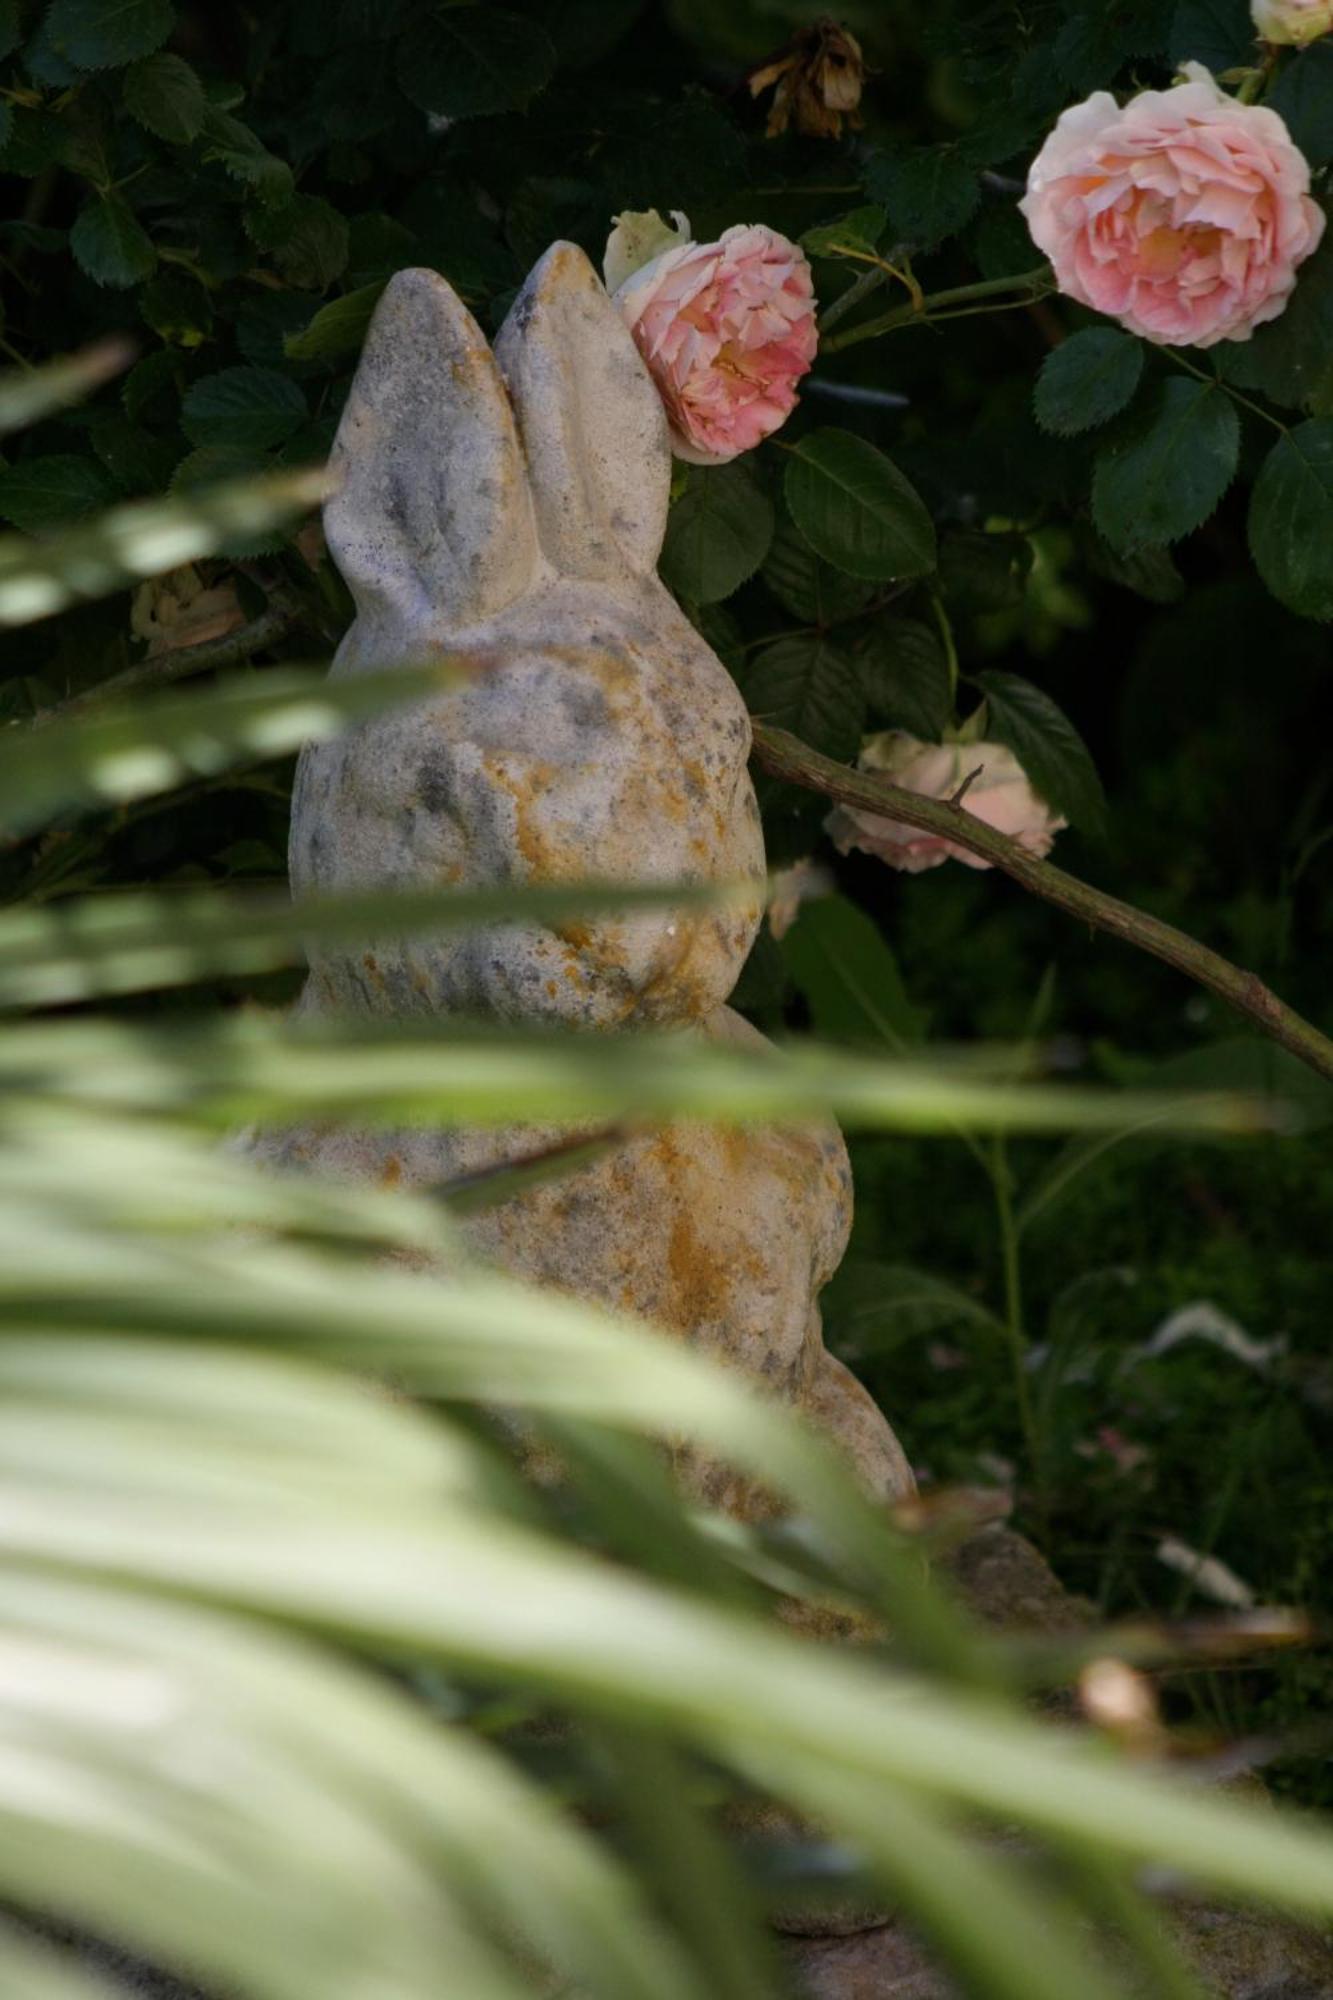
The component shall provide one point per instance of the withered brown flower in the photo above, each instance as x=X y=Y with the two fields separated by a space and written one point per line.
x=818 y=78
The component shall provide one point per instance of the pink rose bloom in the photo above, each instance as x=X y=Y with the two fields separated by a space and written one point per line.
x=1183 y=215
x=727 y=330
x=1294 y=21
x=1000 y=796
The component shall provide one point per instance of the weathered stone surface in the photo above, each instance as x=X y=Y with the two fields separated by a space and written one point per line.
x=513 y=506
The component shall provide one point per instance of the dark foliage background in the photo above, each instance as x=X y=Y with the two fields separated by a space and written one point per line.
x=232 y=186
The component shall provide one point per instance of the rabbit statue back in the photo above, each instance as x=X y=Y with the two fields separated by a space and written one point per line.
x=514 y=503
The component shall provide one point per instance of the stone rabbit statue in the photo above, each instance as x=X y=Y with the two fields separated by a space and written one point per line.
x=514 y=503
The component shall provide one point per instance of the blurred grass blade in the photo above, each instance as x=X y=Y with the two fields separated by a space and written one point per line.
x=493 y=1599
x=301 y=1723
x=42 y=575
x=33 y=1971
x=29 y=394
x=441 y=1072
x=151 y=745
x=98 y=945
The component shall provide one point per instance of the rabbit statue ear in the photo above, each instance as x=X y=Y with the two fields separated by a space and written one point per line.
x=432 y=523
x=592 y=424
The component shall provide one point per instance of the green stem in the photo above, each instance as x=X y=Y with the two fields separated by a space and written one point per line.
x=1030 y=285
x=947 y=641
x=785 y=756
x=1216 y=382
x=1002 y=1185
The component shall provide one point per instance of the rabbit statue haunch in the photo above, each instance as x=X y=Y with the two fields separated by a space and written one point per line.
x=514 y=504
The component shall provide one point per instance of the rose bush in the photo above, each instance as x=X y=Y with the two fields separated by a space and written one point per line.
x=1183 y=215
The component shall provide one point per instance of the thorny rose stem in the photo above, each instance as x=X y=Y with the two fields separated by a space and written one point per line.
x=784 y=756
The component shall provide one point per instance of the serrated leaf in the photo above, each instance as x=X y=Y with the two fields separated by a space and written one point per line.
x=137 y=460
x=1291 y=519
x=929 y=194
x=166 y=97
x=855 y=508
x=103 y=34
x=307 y=238
x=1218 y=33
x=111 y=244
x=1303 y=98
x=807 y=684
x=905 y=677
x=843 y=966
x=337 y=328
x=1150 y=573
x=804 y=584
x=243 y=409
x=870 y=1308
x=1053 y=755
x=466 y=62
x=718 y=533
x=1087 y=380
x=858 y=231
x=41 y=493
x=1164 y=474
x=244 y=156
x=1291 y=360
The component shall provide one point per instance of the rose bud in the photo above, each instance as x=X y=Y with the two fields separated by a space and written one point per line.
x=1183 y=215
x=818 y=77
x=999 y=794
x=1292 y=21
x=727 y=328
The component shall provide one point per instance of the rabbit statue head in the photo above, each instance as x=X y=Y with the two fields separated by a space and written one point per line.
x=513 y=504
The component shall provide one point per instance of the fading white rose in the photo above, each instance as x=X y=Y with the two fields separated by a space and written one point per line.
x=999 y=795
x=1292 y=21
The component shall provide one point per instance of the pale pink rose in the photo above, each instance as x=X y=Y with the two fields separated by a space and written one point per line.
x=999 y=795
x=1183 y=215
x=1293 y=21
x=727 y=330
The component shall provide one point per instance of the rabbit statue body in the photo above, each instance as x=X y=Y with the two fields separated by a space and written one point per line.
x=513 y=504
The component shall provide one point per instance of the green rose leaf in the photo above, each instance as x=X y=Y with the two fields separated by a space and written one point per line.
x=1087 y=380
x=166 y=97
x=307 y=238
x=1053 y=755
x=1291 y=519
x=1164 y=474
x=804 y=584
x=840 y=961
x=856 y=510
x=929 y=194
x=111 y=244
x=1303 y=97
x=905 y=677
x=242 y=409
x=718 y=533
x=857 y=232
x=41 y=493
x=1218 y=33
x=465 y=62
x=807 y=684
x=337 y=328
x=103 y=34
x=237 y=150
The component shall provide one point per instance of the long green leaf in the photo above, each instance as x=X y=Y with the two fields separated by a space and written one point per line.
x=149 y=746
x=143 y=538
